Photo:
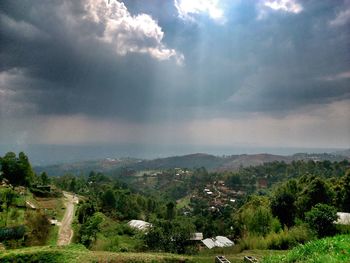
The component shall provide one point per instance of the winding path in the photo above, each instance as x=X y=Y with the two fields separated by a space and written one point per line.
x=65 y=232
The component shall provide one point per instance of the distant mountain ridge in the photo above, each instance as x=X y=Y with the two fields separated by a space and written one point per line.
x=197 y=160
x=345 y=153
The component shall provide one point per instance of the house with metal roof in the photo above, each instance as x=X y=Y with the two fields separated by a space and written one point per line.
x=343 y=218
x=218 y=241
x=139 y=224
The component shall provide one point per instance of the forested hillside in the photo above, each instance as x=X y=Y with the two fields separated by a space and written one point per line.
x=273 y=206
x=209 y=162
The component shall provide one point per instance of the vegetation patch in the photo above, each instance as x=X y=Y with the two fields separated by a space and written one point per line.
x=331 y=249
x=78 y=253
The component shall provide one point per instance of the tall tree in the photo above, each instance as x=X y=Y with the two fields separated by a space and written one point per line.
x=44 y=178
x=283 y=203
x=316 y=192
x=17 y=170
x=321 y=219
x=170 y=210
x=108 y=199
x=346 y=197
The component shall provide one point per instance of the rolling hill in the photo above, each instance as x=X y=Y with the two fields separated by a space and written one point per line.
x=210 y=162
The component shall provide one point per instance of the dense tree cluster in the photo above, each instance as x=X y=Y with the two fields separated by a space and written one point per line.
x=17 y=170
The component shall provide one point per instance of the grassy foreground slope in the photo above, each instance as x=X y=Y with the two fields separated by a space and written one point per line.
x=332 y=250
x=78 y=253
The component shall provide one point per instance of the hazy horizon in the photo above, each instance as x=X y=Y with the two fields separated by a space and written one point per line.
x=56 y=154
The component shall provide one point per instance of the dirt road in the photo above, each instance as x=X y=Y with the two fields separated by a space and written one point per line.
x=65 y=233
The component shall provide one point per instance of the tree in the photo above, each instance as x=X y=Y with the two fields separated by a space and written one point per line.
x=346 y=196
x=7 y=196
x=256 y=216
x=321 y=219
x=44 y=178
x=85 y=211
x=283 y=203
x=170 y=210
x=170 y=236
x=17 y=170
x=73 y=185
x=108 y=199
x=89 y=230
x=25 y=168
x=38 y=226
x=315 y=192
x=234 y=180
x=258 y=221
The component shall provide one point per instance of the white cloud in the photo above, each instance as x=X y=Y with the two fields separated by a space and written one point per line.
x=284 y=5
x=342 y=75
x=289 y=6
x=341 y=18
x=128 y=33
x=188 y=8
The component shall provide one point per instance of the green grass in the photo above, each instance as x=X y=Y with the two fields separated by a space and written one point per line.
x=116 y=236
x=233 y=254
x=53 y=236
x=183 y=202
x=14 y=217
x=77 y=253
x=30 y=197
x=331 y=250
x=20 y=200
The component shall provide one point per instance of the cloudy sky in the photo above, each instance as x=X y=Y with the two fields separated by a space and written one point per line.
x=264 y=73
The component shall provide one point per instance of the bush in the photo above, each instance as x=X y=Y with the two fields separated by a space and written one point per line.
x=38 y=226
x=285 y=239
x=252 y=242
x=321 y=219
x=259 y=221
x=334 y=249
x=45 y=256
x=12 y=233
x=89 y=230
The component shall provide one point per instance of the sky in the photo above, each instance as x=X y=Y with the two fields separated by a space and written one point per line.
x=169 y=73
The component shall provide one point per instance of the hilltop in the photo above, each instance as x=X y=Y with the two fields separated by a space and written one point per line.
x=210 y=162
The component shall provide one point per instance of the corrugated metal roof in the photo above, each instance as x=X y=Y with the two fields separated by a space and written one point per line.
x=343 y=218
x=196 y=236
x=139 y=224
x=221 y=241
x=218 y=241
x=208 y=242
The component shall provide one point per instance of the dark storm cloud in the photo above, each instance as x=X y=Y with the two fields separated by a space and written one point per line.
x=73 y=72
x=278 y=63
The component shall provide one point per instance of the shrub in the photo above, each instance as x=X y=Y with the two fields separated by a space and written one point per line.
x=285 y=239
x=253 y=242
x=12 y=233
x=321 y=219
x=38 y=226
x=89 y=229
x=334 y=249
x=45 y=256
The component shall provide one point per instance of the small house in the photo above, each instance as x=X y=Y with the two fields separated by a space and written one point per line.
x=139 y=225
x=218 y=241
x=343 y=218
